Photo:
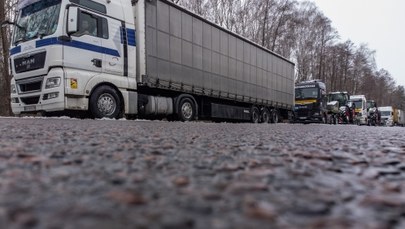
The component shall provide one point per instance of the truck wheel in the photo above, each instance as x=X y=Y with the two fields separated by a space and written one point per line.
x=187 y=110
x=325 y=119
x=265 y=115
x=105 y=103
x=330 y=120
x=274 y=116
x=255 y=118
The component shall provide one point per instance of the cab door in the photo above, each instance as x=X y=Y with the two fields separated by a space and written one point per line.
x=112 y=41
x=84 y=51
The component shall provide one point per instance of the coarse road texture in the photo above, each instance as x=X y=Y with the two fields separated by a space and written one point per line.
x=69 y=173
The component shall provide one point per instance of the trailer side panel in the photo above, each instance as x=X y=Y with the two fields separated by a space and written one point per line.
x=187 y=53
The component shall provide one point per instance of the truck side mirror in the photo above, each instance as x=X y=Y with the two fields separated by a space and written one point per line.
x=73 y=20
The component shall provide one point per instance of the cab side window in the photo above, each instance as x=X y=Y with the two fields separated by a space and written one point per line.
x=92 y=25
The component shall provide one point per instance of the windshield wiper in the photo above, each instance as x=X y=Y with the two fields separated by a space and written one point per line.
x=23 y=37
x=21 y=28
x=38 y=34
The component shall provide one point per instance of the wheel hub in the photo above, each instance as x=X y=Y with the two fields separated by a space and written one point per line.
x=106 y=104
x=187 y=110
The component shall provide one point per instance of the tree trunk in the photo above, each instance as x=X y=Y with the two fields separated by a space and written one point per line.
x=5 y=106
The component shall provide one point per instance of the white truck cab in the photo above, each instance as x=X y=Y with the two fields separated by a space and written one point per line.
x=62 y=49
x=387 y=115
x=360 y=103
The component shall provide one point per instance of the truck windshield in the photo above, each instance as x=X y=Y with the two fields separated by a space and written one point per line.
x=338 y=97
x=306 y=93
x=385 y=113
x=37 y=20
x=358 y=104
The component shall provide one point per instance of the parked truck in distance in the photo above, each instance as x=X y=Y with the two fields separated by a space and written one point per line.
x=399 y=117
x=150 y=58
x=387 y=115
x=360 y=104
x=391 y=116
x=373 y=113
x=310 y=102
x=340 y=110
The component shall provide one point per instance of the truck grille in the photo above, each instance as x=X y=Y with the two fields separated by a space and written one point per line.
x=29 y=63
x=303 y=113
x=30 y=100
x=30 y=85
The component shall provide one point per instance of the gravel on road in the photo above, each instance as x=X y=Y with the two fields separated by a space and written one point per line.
x=71 y=173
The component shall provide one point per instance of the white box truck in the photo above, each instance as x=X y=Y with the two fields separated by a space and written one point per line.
x=151 y=58
x=387 y=115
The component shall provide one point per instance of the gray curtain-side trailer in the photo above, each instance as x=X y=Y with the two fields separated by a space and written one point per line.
x=183 y=56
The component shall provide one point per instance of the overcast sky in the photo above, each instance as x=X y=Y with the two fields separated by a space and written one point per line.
x=378 y=23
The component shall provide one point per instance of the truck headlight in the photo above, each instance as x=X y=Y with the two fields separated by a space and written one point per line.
x=52 y=82
x=13 y=89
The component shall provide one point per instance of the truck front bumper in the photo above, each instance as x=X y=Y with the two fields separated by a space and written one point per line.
x=33 y=95
x=309 y=119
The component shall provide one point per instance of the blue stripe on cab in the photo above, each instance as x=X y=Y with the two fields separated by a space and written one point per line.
x=93 y=48
x=74 y=44
x=47 y=42
x=122 y=33
x=131 y=37
x=77 y=44
x=15 y=50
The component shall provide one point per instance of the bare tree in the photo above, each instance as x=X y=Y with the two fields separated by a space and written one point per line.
x=399 y=98
x=6 y=11
x=175 y=1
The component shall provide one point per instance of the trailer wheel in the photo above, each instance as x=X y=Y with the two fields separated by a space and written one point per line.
x=105 y=103
x=274 y=116
x=325 y=118
x=255 y=115
x=265 y=115
x=187 y=110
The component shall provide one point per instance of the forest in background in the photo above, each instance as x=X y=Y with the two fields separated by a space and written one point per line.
x=297 y=30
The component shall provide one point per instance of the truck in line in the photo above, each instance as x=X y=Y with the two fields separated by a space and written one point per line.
x=399 y=118
x=310 y=102
x=391 y=116
x=340 y=109
x=150 y=58
x=360 y=106
x=373 y=113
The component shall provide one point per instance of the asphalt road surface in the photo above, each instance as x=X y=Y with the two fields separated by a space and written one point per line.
x=69 y=173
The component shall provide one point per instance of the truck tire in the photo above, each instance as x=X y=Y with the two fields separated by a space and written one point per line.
x=274 y=116
x=186 y=110
x=255 y=115
x=105 y=103
x=265 y=115
x=325 y=118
